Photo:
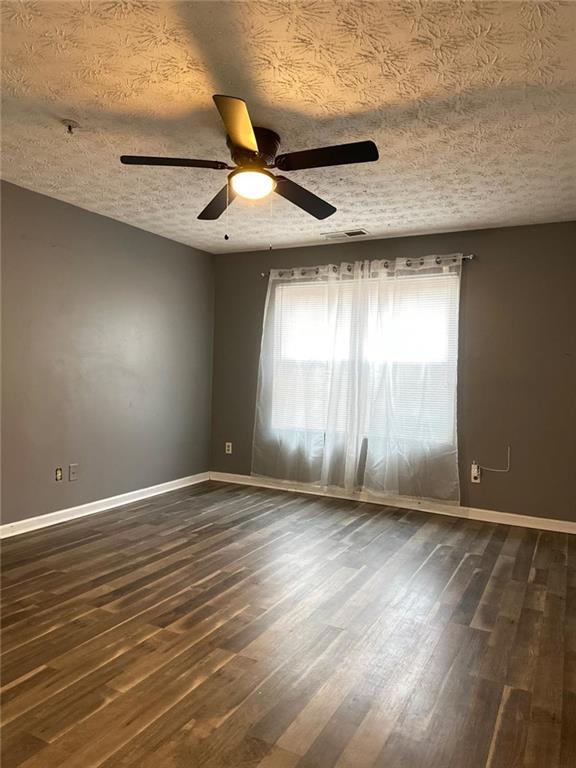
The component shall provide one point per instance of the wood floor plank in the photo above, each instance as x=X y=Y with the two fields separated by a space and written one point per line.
x=510 y=729
x=224 y=626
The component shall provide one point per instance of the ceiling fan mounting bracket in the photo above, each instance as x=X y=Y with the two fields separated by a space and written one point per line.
x=268 y=144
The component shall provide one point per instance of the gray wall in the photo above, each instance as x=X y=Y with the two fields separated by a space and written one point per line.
x=107 y=344
x=107 y=347
x=517 y=366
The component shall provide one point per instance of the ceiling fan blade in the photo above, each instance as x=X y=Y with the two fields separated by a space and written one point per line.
x=218 y=204
x=234 y=114
x=180 y=161
x=304 y=199
x=340 y=154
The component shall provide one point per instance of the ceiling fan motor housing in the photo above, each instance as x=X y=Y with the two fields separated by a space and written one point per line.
x=268 y=143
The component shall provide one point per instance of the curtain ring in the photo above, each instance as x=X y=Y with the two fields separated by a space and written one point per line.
x=317 y=270
x=349 y=267
x=408 y=262
x=385 y=265
x=334 y=268
x=421 y=262
x=438 y=260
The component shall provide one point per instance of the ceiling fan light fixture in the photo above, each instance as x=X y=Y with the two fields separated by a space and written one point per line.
x=252 y=184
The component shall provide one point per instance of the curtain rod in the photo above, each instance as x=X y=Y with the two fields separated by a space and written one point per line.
x=467 y=257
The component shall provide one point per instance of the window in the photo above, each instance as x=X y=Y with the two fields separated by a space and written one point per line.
x=359 y=364
x=405 y=327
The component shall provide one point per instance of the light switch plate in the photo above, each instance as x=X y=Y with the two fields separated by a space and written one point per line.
x=73 y=472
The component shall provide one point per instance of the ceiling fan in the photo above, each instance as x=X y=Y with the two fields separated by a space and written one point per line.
x=253 y=151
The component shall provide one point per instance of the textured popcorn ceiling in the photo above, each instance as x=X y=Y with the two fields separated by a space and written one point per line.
x=472 y=105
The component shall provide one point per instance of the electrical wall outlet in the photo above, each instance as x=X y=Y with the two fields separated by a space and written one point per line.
x=72 y=472
x=228 y=447
x=475 y=472
x=58 y=474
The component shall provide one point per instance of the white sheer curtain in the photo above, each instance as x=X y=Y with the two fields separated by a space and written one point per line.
x=357 y=377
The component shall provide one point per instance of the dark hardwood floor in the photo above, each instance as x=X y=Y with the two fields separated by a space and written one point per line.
x=225 y=626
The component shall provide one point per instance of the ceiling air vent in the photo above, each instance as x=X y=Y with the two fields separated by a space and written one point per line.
x=344 y=235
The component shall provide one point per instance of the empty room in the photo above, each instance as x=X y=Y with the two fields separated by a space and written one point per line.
x=288 y=384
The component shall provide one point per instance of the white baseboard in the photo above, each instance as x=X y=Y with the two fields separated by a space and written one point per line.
x=435 y=507
x=101 y=505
